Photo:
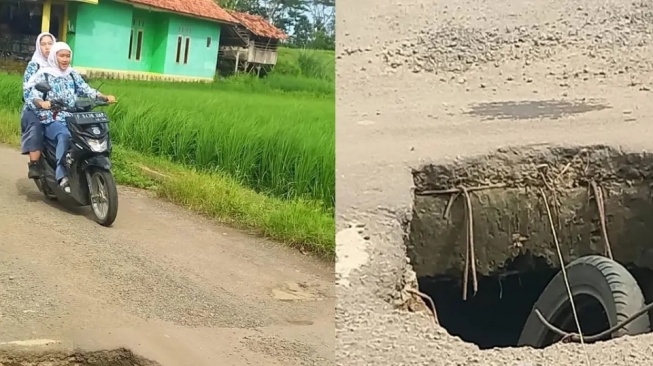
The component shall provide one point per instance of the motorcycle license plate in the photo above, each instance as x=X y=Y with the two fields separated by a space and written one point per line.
x=84 y=118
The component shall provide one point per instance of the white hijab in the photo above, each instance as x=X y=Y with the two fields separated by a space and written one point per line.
x=38 y=56
x=53 y=65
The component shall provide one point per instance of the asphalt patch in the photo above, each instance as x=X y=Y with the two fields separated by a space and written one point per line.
x=533 y=109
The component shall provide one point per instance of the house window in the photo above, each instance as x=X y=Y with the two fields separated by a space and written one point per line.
x=139 y=44
x=179 y=42
x=186 y=50
x=131 y=44
x=135 y=44
x=183 y=47
x=208 y=42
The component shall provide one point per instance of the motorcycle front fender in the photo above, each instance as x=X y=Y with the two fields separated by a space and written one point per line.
x=99 y=161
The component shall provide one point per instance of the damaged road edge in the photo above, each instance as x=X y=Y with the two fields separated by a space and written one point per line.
x=39 y=352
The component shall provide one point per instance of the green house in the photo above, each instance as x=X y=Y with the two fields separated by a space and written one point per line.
x=142 y=39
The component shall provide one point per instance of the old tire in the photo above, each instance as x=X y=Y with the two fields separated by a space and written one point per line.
x=592 y=278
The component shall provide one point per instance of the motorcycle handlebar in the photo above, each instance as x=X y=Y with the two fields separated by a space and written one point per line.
x=61 y=106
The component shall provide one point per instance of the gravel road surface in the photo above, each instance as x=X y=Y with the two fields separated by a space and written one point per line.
x=163 y=282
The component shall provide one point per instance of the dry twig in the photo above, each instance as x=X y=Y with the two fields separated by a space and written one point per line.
x=457 y=190
x=470 y=258
x=452 y=199
x=600 y=204
x=436 y=321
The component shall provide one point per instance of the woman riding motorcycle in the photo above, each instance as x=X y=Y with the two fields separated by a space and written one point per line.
x=31 y=128
x=66 y=85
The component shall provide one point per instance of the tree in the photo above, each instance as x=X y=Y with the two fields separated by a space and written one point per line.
x=323 y=41
x=323 y=15
x=302 y=31
x=322 y=12
x=278 y=12
x=250 y=6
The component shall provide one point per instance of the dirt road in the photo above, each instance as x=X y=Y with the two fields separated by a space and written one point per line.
x=549 y=72
x=163 y=282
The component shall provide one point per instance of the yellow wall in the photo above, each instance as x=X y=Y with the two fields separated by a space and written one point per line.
x=63 y=25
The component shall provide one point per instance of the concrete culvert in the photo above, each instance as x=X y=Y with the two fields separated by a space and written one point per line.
x=485 y=246
x=116 y=357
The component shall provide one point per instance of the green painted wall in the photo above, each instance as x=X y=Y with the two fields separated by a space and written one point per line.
x=159 y=42
x=101 y=36
x=100 y=39
x=72 y=21
x=201 y=59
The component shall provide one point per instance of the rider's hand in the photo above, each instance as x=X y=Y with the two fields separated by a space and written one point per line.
x=110 y=98
x=45 y=105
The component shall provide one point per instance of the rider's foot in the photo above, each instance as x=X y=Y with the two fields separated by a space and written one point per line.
x=34 y=170
x=64 y=185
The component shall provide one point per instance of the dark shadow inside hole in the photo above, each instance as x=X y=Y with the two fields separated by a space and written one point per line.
x=494 y=317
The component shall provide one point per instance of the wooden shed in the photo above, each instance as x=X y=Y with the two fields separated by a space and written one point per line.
x=249 y=46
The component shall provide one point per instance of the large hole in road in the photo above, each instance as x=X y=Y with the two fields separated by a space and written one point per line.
x=494 y=316
x=514 y=252
x=116 y=357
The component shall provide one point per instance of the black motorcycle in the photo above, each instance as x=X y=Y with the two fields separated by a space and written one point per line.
x=88 y=160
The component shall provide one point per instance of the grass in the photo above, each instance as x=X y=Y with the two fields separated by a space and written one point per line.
x=314 y=64
x=296 y=84
x=256 y=155
x=311 y=72
x=279 y=144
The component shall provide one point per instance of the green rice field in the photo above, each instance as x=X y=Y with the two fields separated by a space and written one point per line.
x=276 y=135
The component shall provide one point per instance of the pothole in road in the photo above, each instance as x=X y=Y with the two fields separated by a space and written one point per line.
x=116 y=357
x=293 y=291
x=513 y=250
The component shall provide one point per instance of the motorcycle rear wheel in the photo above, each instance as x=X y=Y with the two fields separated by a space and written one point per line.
x=43 y=187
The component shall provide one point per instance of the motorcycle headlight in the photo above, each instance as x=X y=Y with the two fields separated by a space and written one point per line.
x=97 y=146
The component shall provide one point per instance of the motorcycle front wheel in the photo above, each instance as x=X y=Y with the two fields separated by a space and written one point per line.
x=103 y=197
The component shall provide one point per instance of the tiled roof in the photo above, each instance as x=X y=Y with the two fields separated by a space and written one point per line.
x=258 y=25
x=200 y=8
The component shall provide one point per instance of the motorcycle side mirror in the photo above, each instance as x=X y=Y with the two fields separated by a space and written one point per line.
x=43 y=87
